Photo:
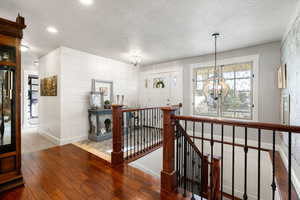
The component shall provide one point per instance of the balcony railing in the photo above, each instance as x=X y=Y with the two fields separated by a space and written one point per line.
x=205 y=158
x=208 y=136
x=136 y=132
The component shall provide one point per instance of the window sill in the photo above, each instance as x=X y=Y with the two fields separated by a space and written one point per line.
x=224 y=118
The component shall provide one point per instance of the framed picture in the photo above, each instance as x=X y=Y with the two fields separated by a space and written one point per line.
x=104 y=88
x=282 y=76
x=49 y=86
x=279 y=77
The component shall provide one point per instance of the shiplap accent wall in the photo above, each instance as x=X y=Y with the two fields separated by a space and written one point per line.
x=50 y=107
x=75 y=72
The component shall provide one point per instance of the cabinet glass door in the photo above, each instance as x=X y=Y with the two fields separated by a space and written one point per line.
x=7 y=109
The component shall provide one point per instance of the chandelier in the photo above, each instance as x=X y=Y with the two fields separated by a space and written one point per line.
x=216 y=87
x=135 y=60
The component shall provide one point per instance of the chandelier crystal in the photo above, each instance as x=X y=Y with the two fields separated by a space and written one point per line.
x=216 y=87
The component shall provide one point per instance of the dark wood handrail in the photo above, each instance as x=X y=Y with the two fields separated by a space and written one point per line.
x=230 y=143
x=178 y=106
x=258 y=125
x=187 y=137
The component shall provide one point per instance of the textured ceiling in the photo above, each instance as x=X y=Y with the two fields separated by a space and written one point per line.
x=161 y=30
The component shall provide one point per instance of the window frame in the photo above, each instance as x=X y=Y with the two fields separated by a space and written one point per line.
x=254 y=59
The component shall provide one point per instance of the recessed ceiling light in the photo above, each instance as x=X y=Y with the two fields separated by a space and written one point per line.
x=52 y=29
x=87 y=2
x=24 y=48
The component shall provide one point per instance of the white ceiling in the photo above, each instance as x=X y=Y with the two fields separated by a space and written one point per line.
x=160 y=29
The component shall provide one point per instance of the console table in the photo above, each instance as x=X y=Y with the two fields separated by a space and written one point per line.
x=100 y=122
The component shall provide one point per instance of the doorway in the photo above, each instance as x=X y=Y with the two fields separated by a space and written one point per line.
x=161 y=89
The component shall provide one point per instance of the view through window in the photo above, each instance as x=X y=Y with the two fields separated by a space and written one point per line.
x=238 y=103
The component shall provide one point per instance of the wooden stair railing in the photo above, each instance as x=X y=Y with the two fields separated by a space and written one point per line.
x=189 y=172
x=136 y=132
x=213 y=131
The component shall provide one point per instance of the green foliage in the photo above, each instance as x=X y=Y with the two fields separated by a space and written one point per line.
x=107 y=102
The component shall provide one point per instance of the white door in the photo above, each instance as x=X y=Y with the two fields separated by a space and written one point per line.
x=161 y=89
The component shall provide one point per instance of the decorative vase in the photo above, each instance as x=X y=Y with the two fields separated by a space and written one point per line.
x=118 y=98
x=122 y=101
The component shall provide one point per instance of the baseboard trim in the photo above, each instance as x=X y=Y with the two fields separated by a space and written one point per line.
x=144 y=169
x=61 y=141
x=48 y=136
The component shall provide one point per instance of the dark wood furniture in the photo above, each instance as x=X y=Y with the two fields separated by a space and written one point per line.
x=10 y=78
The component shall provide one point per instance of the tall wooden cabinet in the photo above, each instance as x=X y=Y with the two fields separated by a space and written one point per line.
x=11 y=34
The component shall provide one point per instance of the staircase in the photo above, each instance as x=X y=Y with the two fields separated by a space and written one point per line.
x=195 y=172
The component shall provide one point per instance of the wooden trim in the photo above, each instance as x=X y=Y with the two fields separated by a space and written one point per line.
x=258 y=125
x=149 y=108
x=281 y=175
x=7 y=63
x=229 y=143
x=168 y=173
x=187 y=137
x=143 y=153
x=9 y=154
x=117 y=153
x=12 y=29
x=216 y=168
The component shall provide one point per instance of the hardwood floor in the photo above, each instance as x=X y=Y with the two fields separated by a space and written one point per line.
x=282 y=178
x=67 y=172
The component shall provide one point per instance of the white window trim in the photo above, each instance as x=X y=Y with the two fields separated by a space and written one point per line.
x=251 y=58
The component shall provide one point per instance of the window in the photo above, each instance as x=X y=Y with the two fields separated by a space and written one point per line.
x=237 y=104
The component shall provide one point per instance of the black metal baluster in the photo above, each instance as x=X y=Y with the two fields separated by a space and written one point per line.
x=245 y=196
x=185 y=167
x=130 y=118
x=202 y=152
x=202 y=141
x=180 y=159
x=177 y=155
x=211 y=157
x=258 y=166
x=152 y=125
x=141 y=131
x=222 y=160
x=134 y=134
x=273 y=166
x=233 y=160
x=290 y=167
x=193 y=163
x=144 y=128
x=156 y=125
x=127 y=129
x=138 y=131
x=148 y=133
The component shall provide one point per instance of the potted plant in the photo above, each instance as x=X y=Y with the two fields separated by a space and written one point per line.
x=107 y=104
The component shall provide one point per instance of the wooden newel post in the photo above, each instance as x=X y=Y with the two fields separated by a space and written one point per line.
x=117 y=153
x=168 y=174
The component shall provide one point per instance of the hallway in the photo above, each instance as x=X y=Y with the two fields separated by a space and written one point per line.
x=67 y=172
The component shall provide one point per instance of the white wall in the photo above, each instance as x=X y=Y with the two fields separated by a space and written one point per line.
x=268 y=94
x=146 y=96
x=78 y=69
x=291 y=57
x=65 y=117
x=50 y=106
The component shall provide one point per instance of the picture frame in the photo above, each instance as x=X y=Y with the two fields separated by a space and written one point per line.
x=282 y=76
x=103 y=87
x=49 y=86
